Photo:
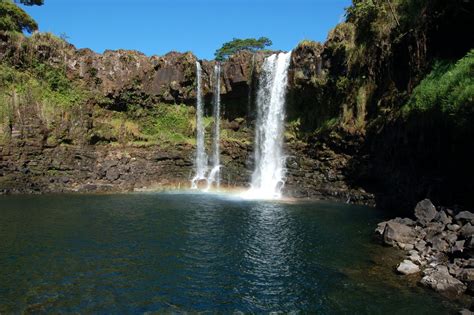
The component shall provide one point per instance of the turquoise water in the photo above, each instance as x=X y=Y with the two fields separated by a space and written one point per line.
x=137 y=253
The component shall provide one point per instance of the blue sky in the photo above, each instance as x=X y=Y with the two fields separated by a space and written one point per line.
x=201 y=26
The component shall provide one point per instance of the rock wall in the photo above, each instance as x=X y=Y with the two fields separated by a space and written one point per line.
x=345 y=137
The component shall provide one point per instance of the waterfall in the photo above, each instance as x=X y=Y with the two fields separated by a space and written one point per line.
x=214 y=176
x=201 y=156
x=268 y=176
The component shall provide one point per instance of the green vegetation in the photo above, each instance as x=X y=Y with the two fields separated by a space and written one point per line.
x=449 y=88
x=251 y=44
x=15 y=19
x=47 y=84
x=169 y=123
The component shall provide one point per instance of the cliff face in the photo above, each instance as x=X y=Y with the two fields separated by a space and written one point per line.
x=346 y=138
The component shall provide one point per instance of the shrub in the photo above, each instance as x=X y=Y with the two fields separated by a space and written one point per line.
x=15 y=19
x=449 y=89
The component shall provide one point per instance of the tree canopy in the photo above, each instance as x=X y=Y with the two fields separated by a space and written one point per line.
x=30 y=2
x=15 y=19
x=236 y=45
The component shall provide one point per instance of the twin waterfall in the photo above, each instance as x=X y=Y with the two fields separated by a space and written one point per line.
x=201 y=160
x=268 y=177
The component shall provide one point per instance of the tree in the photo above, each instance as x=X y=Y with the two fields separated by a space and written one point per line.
x=15 y=19
x=236 y=45
x=30 y=2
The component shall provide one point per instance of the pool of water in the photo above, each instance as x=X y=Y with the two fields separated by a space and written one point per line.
x=182 y=252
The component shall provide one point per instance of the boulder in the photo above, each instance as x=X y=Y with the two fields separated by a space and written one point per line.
x=458 y=246
x=420 y=245
x=450 y=237
x=112 y=174
x=470 y=243
x=406 y=221
x=440 y=280
x=425 y=211
x=453 y=227
x=433 y=228
x=443 y=218
x=380 y=228
x=467 y=274
x=465 y=215
x=415 y=257
x=398 y=233
x=407 y=267
x=467 y=231
x=439 y=244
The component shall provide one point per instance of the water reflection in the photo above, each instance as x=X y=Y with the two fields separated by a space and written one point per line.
x=190 y=253
x=270 y=247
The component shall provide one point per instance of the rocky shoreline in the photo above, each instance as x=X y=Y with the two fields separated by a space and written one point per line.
x=439 y=244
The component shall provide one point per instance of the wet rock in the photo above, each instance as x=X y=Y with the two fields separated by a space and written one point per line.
x=398 y=233
x=425 y=211
x=407 y=267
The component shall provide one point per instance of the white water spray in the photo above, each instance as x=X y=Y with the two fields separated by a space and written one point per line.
x=201 y=156
x=268 y=176
x=214 y=175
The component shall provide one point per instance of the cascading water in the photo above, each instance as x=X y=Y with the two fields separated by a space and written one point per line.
x=201 y=156
x=214 y=175
x=268 y=176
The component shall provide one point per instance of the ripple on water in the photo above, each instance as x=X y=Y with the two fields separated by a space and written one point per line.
x=136 y=253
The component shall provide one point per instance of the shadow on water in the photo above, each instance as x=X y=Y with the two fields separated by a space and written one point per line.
x=177 y=252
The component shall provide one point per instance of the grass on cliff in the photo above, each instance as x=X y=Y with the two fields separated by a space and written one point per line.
x=449 y=89
x=43 y=89
x=169 y=123
x=162 y=124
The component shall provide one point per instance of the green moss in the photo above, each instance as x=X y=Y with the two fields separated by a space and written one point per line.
x=449 y=89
